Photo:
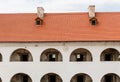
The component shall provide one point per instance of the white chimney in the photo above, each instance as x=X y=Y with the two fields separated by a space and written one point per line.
x=92 y=11
x=40 y=12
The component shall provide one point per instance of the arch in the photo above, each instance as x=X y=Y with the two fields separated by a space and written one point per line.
x=81 y=77
x=110 y=77
x=110 y=54
x=1 y=57
x=51 y=77
x=21 y=55
x=80 y=55
x=21 y=77
x=51 y=54
x=0 y=80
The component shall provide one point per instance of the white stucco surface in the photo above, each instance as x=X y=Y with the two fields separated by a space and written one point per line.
x=65 y=69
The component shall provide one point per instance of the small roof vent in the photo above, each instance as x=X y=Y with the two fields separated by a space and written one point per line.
x=93 y=20
x=40 y=16
x=38 y=21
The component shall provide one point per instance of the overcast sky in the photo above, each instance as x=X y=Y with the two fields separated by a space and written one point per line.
x=51 y=6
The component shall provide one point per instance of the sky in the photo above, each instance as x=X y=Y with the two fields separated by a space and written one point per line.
x=55 y=6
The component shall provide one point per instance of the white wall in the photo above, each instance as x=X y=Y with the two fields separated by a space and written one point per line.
x=66 y=69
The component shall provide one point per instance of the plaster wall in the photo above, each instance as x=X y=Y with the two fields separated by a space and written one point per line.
x=65 y=69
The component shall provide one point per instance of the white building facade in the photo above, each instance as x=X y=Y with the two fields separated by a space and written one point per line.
x=63 y=69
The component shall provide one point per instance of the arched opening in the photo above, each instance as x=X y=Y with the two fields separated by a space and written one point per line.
x=111 y=77
x=80 y=55
x=21 y=55
x=0 y=57
x=110 y=54
x=81 y=77
x=51 y=77
x=51 y=55
x=21 y=77
x=0 y=80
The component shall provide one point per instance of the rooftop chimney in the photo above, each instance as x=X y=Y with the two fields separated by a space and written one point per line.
x=40 y=12
x=92 y=11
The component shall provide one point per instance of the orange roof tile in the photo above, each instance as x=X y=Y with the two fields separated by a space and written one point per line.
x=59 y=27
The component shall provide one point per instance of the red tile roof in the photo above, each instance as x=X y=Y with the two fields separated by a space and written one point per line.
x=59 y=27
